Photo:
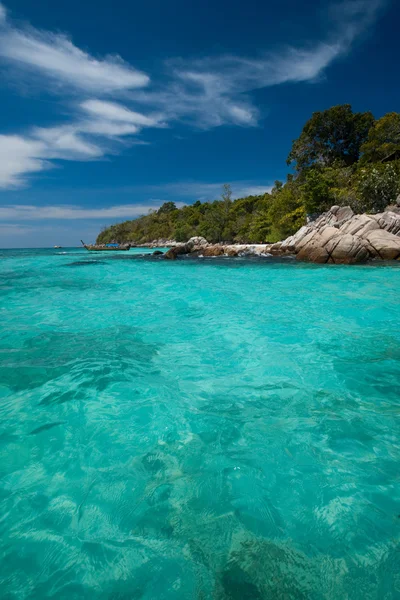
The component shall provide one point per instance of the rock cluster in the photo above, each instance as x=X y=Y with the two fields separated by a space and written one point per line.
x=160 y=243
x=195 y=244
x=198 y=246
x=338 y=236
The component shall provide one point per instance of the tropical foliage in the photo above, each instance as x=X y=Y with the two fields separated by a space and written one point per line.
x=340 y=157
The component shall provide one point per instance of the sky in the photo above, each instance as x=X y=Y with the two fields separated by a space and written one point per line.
x=108 y=109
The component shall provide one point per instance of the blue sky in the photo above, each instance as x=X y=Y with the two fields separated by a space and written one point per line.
x=108 y=109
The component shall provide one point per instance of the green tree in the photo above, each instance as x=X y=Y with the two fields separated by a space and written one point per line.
x=224 y=210
x=377 y=186
x=383 y=139
x=167 y=207
x=317 y=189
x=286 y=212
x=333 y=136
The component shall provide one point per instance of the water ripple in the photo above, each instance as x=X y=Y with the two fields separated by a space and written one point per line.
x=198 y=429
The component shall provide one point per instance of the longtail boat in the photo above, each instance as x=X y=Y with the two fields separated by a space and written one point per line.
x=106 y=247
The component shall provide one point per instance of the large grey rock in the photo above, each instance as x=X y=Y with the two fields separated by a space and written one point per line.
x=359 y=224
x=389 y=221
x=394 y=208
x=313 y=247
x=232 y=251
x=341 y=237
x=196 y=243
x=216 y=250
x=344 y=213
x=288 y=245
x=291 y=243
x=276 y=249
x=327 y=233
x=305 y=240
x=172 y=253
x=383 y=244
x=314 y=250
x=347 y=249
x=334 y=217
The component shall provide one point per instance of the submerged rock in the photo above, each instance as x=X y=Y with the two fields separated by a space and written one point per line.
x=195 y=244
x=172 y=253
x=258 y=569
x=232 y=251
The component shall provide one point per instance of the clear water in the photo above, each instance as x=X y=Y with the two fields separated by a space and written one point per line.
x=216 y=429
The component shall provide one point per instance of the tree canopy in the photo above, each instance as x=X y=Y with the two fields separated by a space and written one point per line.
x=333 y=136
x=383 y=139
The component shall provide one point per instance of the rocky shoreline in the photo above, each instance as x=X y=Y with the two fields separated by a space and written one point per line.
x=338 y=236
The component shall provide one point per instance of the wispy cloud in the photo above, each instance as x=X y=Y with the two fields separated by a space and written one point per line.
x=56 y=57
x=183 y=192
x=96 y=125
x=89 y=137
x=65 y=142
x=209 y=92
x=205 y=191
x=215 y=90
x=12 y=229
x=19 y=157
x=117 y=113
x=39 y=213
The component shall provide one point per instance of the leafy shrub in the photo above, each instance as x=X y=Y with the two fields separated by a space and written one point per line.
x=377 y=186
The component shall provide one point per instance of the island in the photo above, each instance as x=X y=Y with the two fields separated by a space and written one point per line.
x=340 y=203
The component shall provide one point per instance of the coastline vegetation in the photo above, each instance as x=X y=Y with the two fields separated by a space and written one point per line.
x=341 y=157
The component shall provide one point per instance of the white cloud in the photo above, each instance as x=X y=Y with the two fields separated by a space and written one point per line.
x=11 y=229
x=187 y=191
x=81 y=140
x=215 y=90
x=64 y=142
x=209 y=92
x=116 y=112
x=21 y=156
x=204 y=191
x=252 y=190
x=108 y=128
x=18 y=157
x=55 y=56
x=3 y=14
x=22 y=213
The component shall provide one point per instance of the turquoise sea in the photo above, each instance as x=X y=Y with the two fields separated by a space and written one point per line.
x=224 y=429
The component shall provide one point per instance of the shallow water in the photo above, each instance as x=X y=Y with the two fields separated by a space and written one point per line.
x=199 y=429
